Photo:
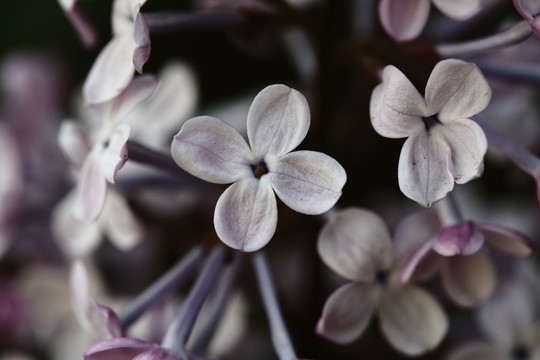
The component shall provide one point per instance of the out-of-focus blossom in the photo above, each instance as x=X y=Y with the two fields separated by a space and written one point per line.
x=405 y=20
x=443 y=145
x=246 y=214
x=128 y=50
x=530 y=11
x=467 y=271
x=357 y=245
x=101 y=158
x=85 y=29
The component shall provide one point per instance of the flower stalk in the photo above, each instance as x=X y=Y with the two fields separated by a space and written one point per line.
x=165 y=22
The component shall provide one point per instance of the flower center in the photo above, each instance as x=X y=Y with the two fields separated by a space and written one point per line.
x=381 y=277
x=431 y=121
x=519 y=352
x=259 y=169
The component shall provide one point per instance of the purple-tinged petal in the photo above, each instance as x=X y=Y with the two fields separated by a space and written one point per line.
x=528 y=9
x=112 y=71
x=468 y=145
x=114 y=154
x=120 y=348
x=460 y=239
x=356 y=244
x=347 y=312
x=103 y=321
x=422 y=254
x=412 y=320
x=91 y=190
x=507 y=240
x=403 y=20
x=73 y=142
x=120 y=224
x=123 y=15
x=278 y=120
x=159 y=354
x=535 y=25
x=141 y=35
x=423 y=173
x=309 y=182
x=469 y=280
x=396 y=107
x=246 y=214
x=212 y=150
x=459 y=9
x=477 y=351
x=456 y=90
x=136 y=93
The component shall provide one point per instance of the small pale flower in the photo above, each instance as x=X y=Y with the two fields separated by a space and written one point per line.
x=128 y=50
x=530 y=11
x=443 y=146
x=357 y=245
x=246 y=214
x=405 y=20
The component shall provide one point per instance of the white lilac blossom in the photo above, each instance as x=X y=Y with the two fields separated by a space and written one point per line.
x=357 y=245
x=405 y=20
x=467 y=271
x=443 y=146
x=246 y=214
x=101 y=159
x=530 y=11
x=85 y=29
x=127 y=51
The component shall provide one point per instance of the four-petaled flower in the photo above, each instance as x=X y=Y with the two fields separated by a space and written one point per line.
x=443 y=145
x=530 y=11
x=405 y=20
x=246 y=214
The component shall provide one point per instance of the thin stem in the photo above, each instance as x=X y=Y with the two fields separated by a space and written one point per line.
x=448 y=211
x=180 y=328
x=165 y=22
x=217 y=306
x=523 y=158
x=515 y=34
x=170 y=281
x=513 y=71
x=280 y=336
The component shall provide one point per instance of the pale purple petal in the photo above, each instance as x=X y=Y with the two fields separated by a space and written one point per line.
x=477 y=351
x=456 y=90
x=396 y=107
x=120 y=224
x=246 y=214
x=91 y=190
x=458 y=9
x=124 y=13
x=469 y=280
x=136 y=93
x=460 y=239
x=278 y=120
x=412 y=320
x=423 y=173
x=141 y=35
x=403 y=20
x=356 y=244
x=112 y=71
x=529 y=9
x=307 y=181
x=212 y=150
x=507 y=240
x=468 y=145
x=119 y=348
x=104 y=322
x=159 y=354
x=114 y=154
x=535 y=25
x=347 y=312
x=73 y=142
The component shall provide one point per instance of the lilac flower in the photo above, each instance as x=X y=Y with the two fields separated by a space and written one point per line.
x=405 y=20
x=101 y=160
x=443 y=145
x=128 y=50
x=530 y=11
x=357 y=245
x=246 y=214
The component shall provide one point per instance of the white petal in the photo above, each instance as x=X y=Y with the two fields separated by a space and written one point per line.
x=91 y=191
x=121 y=225
x=477 y=351
x=347 y=312
x=457 y=90
x=460 y=239
x=412 y=320
x=423 y=173
x=469 y=280
x=80 y=292
x=246 y=214
x=468 y=145
x=278 y=120
x=112 y=71
x=403 y=20
x=307 y=181
x=136 y=93
x=212 y=150
x=507 y=240
x=141 y=36
x=396 y=107
x=73 y=142
x=356 y=244
x=458 y=9
x=527 y=8
x=114 y=154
